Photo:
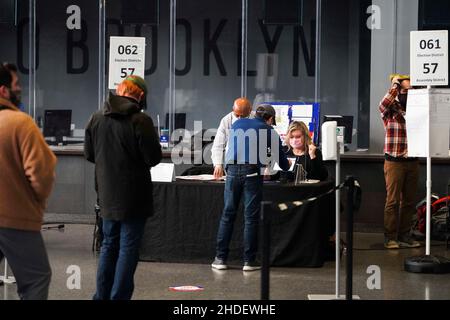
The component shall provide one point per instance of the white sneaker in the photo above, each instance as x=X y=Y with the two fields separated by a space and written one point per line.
x=219 y=264
x=251 y=266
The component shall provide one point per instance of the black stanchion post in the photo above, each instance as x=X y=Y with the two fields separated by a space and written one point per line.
x=265 y=245
x=350 y=183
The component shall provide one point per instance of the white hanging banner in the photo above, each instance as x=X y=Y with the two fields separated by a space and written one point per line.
x=429 y=58
x=427 y=121
x=126 y=57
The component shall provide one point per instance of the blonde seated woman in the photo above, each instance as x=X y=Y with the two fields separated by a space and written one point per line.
x=299 y=146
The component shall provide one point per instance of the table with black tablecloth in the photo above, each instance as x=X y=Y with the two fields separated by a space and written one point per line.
x=187 y=215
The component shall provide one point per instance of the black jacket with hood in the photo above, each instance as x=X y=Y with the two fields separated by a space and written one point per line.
x=123 y=143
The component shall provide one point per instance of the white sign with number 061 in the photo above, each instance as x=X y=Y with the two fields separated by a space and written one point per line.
x=429 y=58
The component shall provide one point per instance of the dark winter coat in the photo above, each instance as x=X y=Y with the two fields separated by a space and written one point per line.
x=123 y=143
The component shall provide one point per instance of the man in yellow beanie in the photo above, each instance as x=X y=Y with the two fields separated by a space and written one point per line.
x=400 y=171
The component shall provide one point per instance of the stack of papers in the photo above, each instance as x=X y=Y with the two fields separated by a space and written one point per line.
x=67 y=147
x=200 y=177
x=310 y=181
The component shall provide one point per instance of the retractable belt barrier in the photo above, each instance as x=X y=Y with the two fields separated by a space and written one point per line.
x=283 y=206
x=265 y=217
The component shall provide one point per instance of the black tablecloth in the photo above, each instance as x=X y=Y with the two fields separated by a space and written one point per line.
x=187 y=215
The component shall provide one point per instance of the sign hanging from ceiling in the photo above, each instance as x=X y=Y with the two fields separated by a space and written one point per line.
x=126 y=57
x=429 y=58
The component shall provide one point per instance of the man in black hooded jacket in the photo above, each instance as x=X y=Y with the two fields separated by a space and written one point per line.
x=123 y=143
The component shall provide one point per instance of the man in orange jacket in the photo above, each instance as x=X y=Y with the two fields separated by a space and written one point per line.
x=26 y=179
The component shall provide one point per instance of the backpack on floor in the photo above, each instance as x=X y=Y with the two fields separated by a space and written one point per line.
x=440 y=224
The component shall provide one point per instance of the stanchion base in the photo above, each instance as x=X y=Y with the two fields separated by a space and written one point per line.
x=330 y=297
x=427 y=264
x=8 y=280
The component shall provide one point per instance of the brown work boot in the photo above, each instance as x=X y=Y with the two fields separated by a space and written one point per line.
x=391 y=244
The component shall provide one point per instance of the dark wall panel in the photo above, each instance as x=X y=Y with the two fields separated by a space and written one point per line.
x=8 y=11
x=140 y=12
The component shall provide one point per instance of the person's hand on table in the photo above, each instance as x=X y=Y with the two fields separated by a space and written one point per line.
x=218 y=172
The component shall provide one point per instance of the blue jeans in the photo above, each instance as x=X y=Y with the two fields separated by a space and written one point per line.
x=118 y=260
x=238 y=183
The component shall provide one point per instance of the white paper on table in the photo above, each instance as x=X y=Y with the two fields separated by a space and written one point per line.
x=163 y=172
x=310 y=181
x=291 y=168
x=200 y=177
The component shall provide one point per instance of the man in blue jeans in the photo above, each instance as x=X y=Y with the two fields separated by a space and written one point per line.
x=123 y=143
x=253 y=144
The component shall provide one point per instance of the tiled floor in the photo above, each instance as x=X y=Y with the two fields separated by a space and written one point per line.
x=73 y=247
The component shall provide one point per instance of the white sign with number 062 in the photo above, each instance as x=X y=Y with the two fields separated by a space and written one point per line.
x=126 y=57
x=429 y=58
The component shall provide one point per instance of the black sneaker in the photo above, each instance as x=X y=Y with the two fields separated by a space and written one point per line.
x=251 y=266
x=219 y=264
x=1 y=283
x=406 y=241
